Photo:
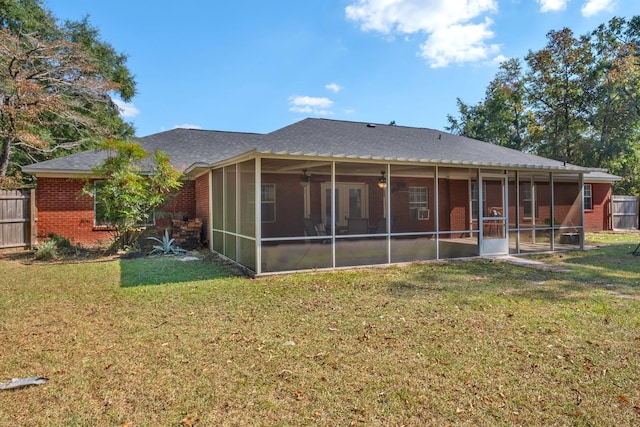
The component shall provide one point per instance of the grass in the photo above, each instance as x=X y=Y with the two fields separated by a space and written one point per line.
x=156 y=341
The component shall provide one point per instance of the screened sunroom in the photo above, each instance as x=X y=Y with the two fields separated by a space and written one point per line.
x=324 y=212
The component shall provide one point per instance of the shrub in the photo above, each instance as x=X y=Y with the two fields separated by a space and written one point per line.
x=46 y=250
x=62 y=243
x=166 y=246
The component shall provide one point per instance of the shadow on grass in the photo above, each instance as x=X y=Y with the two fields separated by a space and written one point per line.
x=614 y=258
x=169 y=270
x=612 y=268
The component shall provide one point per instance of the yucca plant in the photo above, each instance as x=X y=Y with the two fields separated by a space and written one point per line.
x=46 y=250
x=166 y=245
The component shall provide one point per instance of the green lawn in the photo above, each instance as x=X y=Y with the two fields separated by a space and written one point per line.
x=160 y=342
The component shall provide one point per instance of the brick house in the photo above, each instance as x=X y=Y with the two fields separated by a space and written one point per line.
x=397 y=194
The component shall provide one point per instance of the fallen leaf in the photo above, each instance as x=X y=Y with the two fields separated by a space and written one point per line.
x=189 y=422
x=623 y=399
x=127 y=424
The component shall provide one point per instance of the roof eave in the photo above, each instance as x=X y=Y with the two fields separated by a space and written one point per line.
x=57 y=173
x=430 y=162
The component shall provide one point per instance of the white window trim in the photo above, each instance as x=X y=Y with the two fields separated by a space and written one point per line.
x=531 y=189
x=273 y=202
x=588 y=197
x=472 y=199
x=421 y=207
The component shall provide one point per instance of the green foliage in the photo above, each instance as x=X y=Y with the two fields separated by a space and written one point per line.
x=131 y=188
x=166 y=245
x=46 y=251
x=55 y=247
x=578 y=100
x=501 y=118
x=57 y=82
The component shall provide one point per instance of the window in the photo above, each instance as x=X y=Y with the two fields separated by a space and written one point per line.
x=474 y=198
x=527 y=199
x=99 y=210
x=98 y=206
x=418 y=203
x=588 y=198
x=268 y=198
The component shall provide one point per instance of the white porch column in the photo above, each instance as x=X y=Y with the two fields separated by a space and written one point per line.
x=553 y=213
x=581 y=184
x=258 y=214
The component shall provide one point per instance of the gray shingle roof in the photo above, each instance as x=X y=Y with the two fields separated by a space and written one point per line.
x=318 y=138
x=186 y=147
x=365 y=140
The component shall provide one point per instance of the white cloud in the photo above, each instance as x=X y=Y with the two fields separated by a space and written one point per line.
x=458 y=43
x=499 y=60
x=187 y=126
x=552 y=5
x=333 y=87
x=127 y=109
x=593 y=7
x=451 y=34
x=310 y=105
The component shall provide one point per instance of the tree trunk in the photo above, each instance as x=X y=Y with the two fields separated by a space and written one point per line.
x=4 y=155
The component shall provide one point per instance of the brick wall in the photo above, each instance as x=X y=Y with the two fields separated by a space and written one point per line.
x=62 y=211
x=597 y=219
x=289 y=205
x=458 y=204
x=202 y=204
x=178 y=207
x=400 y=212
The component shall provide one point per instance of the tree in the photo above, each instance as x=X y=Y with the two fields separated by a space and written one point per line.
x=501 y=117
x=56 y=86
x=126 y=195
x=577 y=100
x=559 y=86
x=615 y=121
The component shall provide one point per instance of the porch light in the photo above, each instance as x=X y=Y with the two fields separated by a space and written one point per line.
x=382 y=182
x=305 y=178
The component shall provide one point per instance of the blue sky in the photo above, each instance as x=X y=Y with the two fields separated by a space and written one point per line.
x=256 y=65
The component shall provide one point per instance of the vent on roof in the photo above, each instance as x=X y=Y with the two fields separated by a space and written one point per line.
x=371 y=125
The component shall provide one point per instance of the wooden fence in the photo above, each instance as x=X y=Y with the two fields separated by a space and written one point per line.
x=17 y=218
x=625 y=212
